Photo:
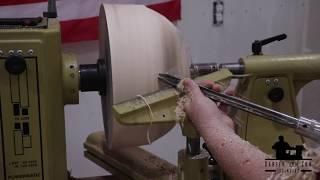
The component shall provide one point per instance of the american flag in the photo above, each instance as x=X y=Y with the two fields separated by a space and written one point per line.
x=79 y=18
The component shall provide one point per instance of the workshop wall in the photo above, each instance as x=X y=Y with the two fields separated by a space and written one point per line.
x=244 y=22
x=311 y=95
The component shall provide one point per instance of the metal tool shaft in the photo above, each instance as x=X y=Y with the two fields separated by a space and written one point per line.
x=193 y=146
x=306 y=127
x=206 y=68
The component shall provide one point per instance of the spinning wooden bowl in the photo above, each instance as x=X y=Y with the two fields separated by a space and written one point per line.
x=136 y=43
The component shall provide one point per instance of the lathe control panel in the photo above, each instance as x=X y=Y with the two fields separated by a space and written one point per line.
x=21 y=141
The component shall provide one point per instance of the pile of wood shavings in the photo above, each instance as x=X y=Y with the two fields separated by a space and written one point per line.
x=310 y=153
x=183 y=99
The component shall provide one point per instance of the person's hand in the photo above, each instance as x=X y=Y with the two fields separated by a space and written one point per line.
x=202 y=111
x=218 y=88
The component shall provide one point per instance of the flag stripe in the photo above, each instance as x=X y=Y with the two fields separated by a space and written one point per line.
x=170 y=9
x=79 y=30
x=80 y=9
x=87 y=29
x=79 y=18
x=16 y=2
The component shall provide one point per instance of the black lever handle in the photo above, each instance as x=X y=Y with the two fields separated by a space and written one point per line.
x=258 y=44
x=211 y=159
x=20 y=21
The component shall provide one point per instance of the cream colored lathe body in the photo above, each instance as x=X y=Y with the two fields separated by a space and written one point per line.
x=268 y=74
x=32 y=129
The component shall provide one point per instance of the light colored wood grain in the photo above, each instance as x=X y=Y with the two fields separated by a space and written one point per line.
x=137 y=43
x=130 y=163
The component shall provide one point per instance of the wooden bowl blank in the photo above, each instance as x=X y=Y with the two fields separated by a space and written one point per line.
x=137 y=43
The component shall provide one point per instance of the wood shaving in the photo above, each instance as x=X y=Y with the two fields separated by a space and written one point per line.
x=183 y=99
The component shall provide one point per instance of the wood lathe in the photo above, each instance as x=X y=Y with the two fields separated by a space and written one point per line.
x=136 y=43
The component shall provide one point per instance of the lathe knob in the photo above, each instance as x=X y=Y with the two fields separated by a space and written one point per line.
x=276 y=94
x=15 y=64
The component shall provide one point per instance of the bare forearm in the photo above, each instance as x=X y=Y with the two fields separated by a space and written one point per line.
x=238 y=158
